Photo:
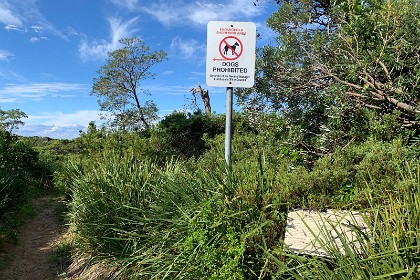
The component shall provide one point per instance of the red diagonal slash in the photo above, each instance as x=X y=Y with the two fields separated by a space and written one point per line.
x=227 y=44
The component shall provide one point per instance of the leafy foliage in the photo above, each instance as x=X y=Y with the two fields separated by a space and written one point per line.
x=21 y=172
x=11 y=171
x=338 y=68
x=185 y=132
x=187 y=219
x=11 y=119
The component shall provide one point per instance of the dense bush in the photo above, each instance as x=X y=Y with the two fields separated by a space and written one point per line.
x=352 y=176
x=22 y=171
x=183 y=132
x=179 y=135
x=127 y=208
x=17 y=165
x=157 y=218
x=179 y=219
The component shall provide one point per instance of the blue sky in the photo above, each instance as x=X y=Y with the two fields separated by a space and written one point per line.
x=50 y=51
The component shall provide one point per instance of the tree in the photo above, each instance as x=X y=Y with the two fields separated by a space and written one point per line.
x=11 y=119
x=184 y=132
x=338 y=65
x=118 y=85
x=376 y=56
x=91 y=140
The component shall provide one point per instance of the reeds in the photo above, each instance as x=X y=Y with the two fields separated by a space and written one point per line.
x=134 y=212
x=174 y=221
x=389 y=249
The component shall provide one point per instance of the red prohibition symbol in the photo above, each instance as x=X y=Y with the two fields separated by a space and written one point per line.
x=229 y=48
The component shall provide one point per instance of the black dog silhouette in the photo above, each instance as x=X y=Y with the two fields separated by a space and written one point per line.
x=227 y=47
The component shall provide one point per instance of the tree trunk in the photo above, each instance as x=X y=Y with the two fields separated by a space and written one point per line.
x=204 y=94
x=142 y=118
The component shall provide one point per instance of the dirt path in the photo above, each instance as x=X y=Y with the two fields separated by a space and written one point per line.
x=37 y=239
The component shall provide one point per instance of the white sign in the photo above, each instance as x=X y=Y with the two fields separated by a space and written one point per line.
x=230 y=54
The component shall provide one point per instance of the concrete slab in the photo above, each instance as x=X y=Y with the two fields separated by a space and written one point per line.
x=307 y=230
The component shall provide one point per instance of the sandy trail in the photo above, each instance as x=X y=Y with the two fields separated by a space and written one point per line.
x=37 y=239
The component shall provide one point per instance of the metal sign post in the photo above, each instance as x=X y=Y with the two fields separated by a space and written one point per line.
x=228 y=128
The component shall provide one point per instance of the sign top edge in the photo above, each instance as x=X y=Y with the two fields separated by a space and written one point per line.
x=230 y=22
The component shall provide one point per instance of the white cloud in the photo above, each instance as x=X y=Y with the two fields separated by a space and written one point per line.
x=201 y=12
x=7 y=74
x=168 y=13
x=204 y=13
x=187 y=49
x=37 y=91
x=37 y=28
x=51 y=131
x=81 y=117
x=98 y=49
x=156 y=89
x=7 y=16
x=199 y=73
x=247 y=8
x=7 y=99
x=131 y=5
x=94 y=50
x=41 y=87
x=26 y=16
x=58 y=124
x=197 y=76
x=10 y=27
x=70 y=31
x=168 y=72
x=5 y=55
x=36 y=39
x=121 y=29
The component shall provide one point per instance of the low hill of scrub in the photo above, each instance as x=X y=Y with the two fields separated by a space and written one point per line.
x=167 y=216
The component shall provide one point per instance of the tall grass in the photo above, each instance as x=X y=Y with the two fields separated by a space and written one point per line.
x=132 y=211
x=176 y=221
x=391 y=250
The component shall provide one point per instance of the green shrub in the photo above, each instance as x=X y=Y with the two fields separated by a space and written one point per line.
x=18 y=164
x=21 y=172
x=213 y=247
x=183 y=132
x=149 y=144
x=339 y=179
x=11 y=190
x=246 y=213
